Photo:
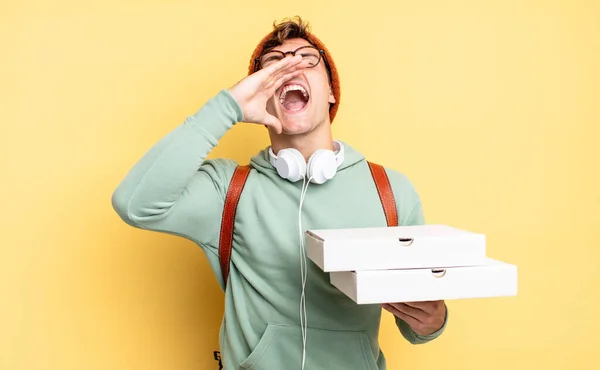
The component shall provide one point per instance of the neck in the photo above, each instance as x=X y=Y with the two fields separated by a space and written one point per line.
x=306 y=144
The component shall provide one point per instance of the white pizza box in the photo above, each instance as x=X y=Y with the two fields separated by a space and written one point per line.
x=492 y=279
x=382 y=248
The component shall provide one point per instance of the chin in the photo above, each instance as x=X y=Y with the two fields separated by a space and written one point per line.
x=296 y=125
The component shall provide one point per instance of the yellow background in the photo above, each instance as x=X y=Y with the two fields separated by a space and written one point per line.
x=492 y=108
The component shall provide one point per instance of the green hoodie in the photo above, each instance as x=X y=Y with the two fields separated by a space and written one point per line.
x=175 y=189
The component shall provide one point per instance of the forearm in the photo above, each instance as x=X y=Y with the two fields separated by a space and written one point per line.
x=158 y=179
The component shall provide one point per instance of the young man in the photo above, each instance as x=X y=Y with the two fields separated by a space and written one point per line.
x=280 y=312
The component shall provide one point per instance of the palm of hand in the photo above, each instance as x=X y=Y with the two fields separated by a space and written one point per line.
x=253 y=92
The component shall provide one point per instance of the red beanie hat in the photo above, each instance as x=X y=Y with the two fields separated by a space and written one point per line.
x=334 y=78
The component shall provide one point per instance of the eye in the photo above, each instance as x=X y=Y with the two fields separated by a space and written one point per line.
x=312 y=58
x=271 y=58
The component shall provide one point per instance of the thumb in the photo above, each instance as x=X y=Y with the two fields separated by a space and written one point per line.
x=272 y=121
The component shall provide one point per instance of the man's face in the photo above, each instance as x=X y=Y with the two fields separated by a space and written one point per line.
x=302 y=103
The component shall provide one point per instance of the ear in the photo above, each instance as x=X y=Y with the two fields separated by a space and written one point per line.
x=331 y=97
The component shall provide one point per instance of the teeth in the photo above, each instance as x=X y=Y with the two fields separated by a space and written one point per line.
x=285 y=90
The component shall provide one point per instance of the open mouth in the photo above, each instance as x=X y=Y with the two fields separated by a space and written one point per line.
x=293 y=98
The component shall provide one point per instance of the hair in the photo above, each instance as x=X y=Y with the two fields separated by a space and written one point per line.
x=289 y=28
x=292 y=28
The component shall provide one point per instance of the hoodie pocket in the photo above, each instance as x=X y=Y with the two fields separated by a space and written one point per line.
x=280 y=347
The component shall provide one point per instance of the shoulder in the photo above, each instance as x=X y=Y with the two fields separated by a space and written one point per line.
x=408 y=200
x=219 y=171
x=401 y=182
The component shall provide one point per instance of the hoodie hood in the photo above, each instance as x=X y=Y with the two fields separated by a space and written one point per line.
x=262 y=163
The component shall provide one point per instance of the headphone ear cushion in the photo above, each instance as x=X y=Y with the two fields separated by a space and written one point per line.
x=291 y=165
x=322 y=166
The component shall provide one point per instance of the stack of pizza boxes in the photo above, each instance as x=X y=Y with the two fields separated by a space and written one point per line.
x=410 y=263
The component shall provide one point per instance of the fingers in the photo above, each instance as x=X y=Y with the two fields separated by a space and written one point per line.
x=276 y=80
x=411 y=321
x=287 y=73
x=420 y=321
x=273 y=122
x=414 y=312
x=427 y=306
x=287 y=62
x=284 y=78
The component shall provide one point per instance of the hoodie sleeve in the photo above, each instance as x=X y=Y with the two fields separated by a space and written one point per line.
x=173 y=188
x=410 y=212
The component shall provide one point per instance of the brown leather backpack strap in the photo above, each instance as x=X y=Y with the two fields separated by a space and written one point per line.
x=232 y=198
x=382 y=182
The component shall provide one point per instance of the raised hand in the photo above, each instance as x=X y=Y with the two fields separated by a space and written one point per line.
x=423 y=317
x=253 y=92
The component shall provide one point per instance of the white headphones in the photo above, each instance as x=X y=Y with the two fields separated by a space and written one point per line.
x=322 y=164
